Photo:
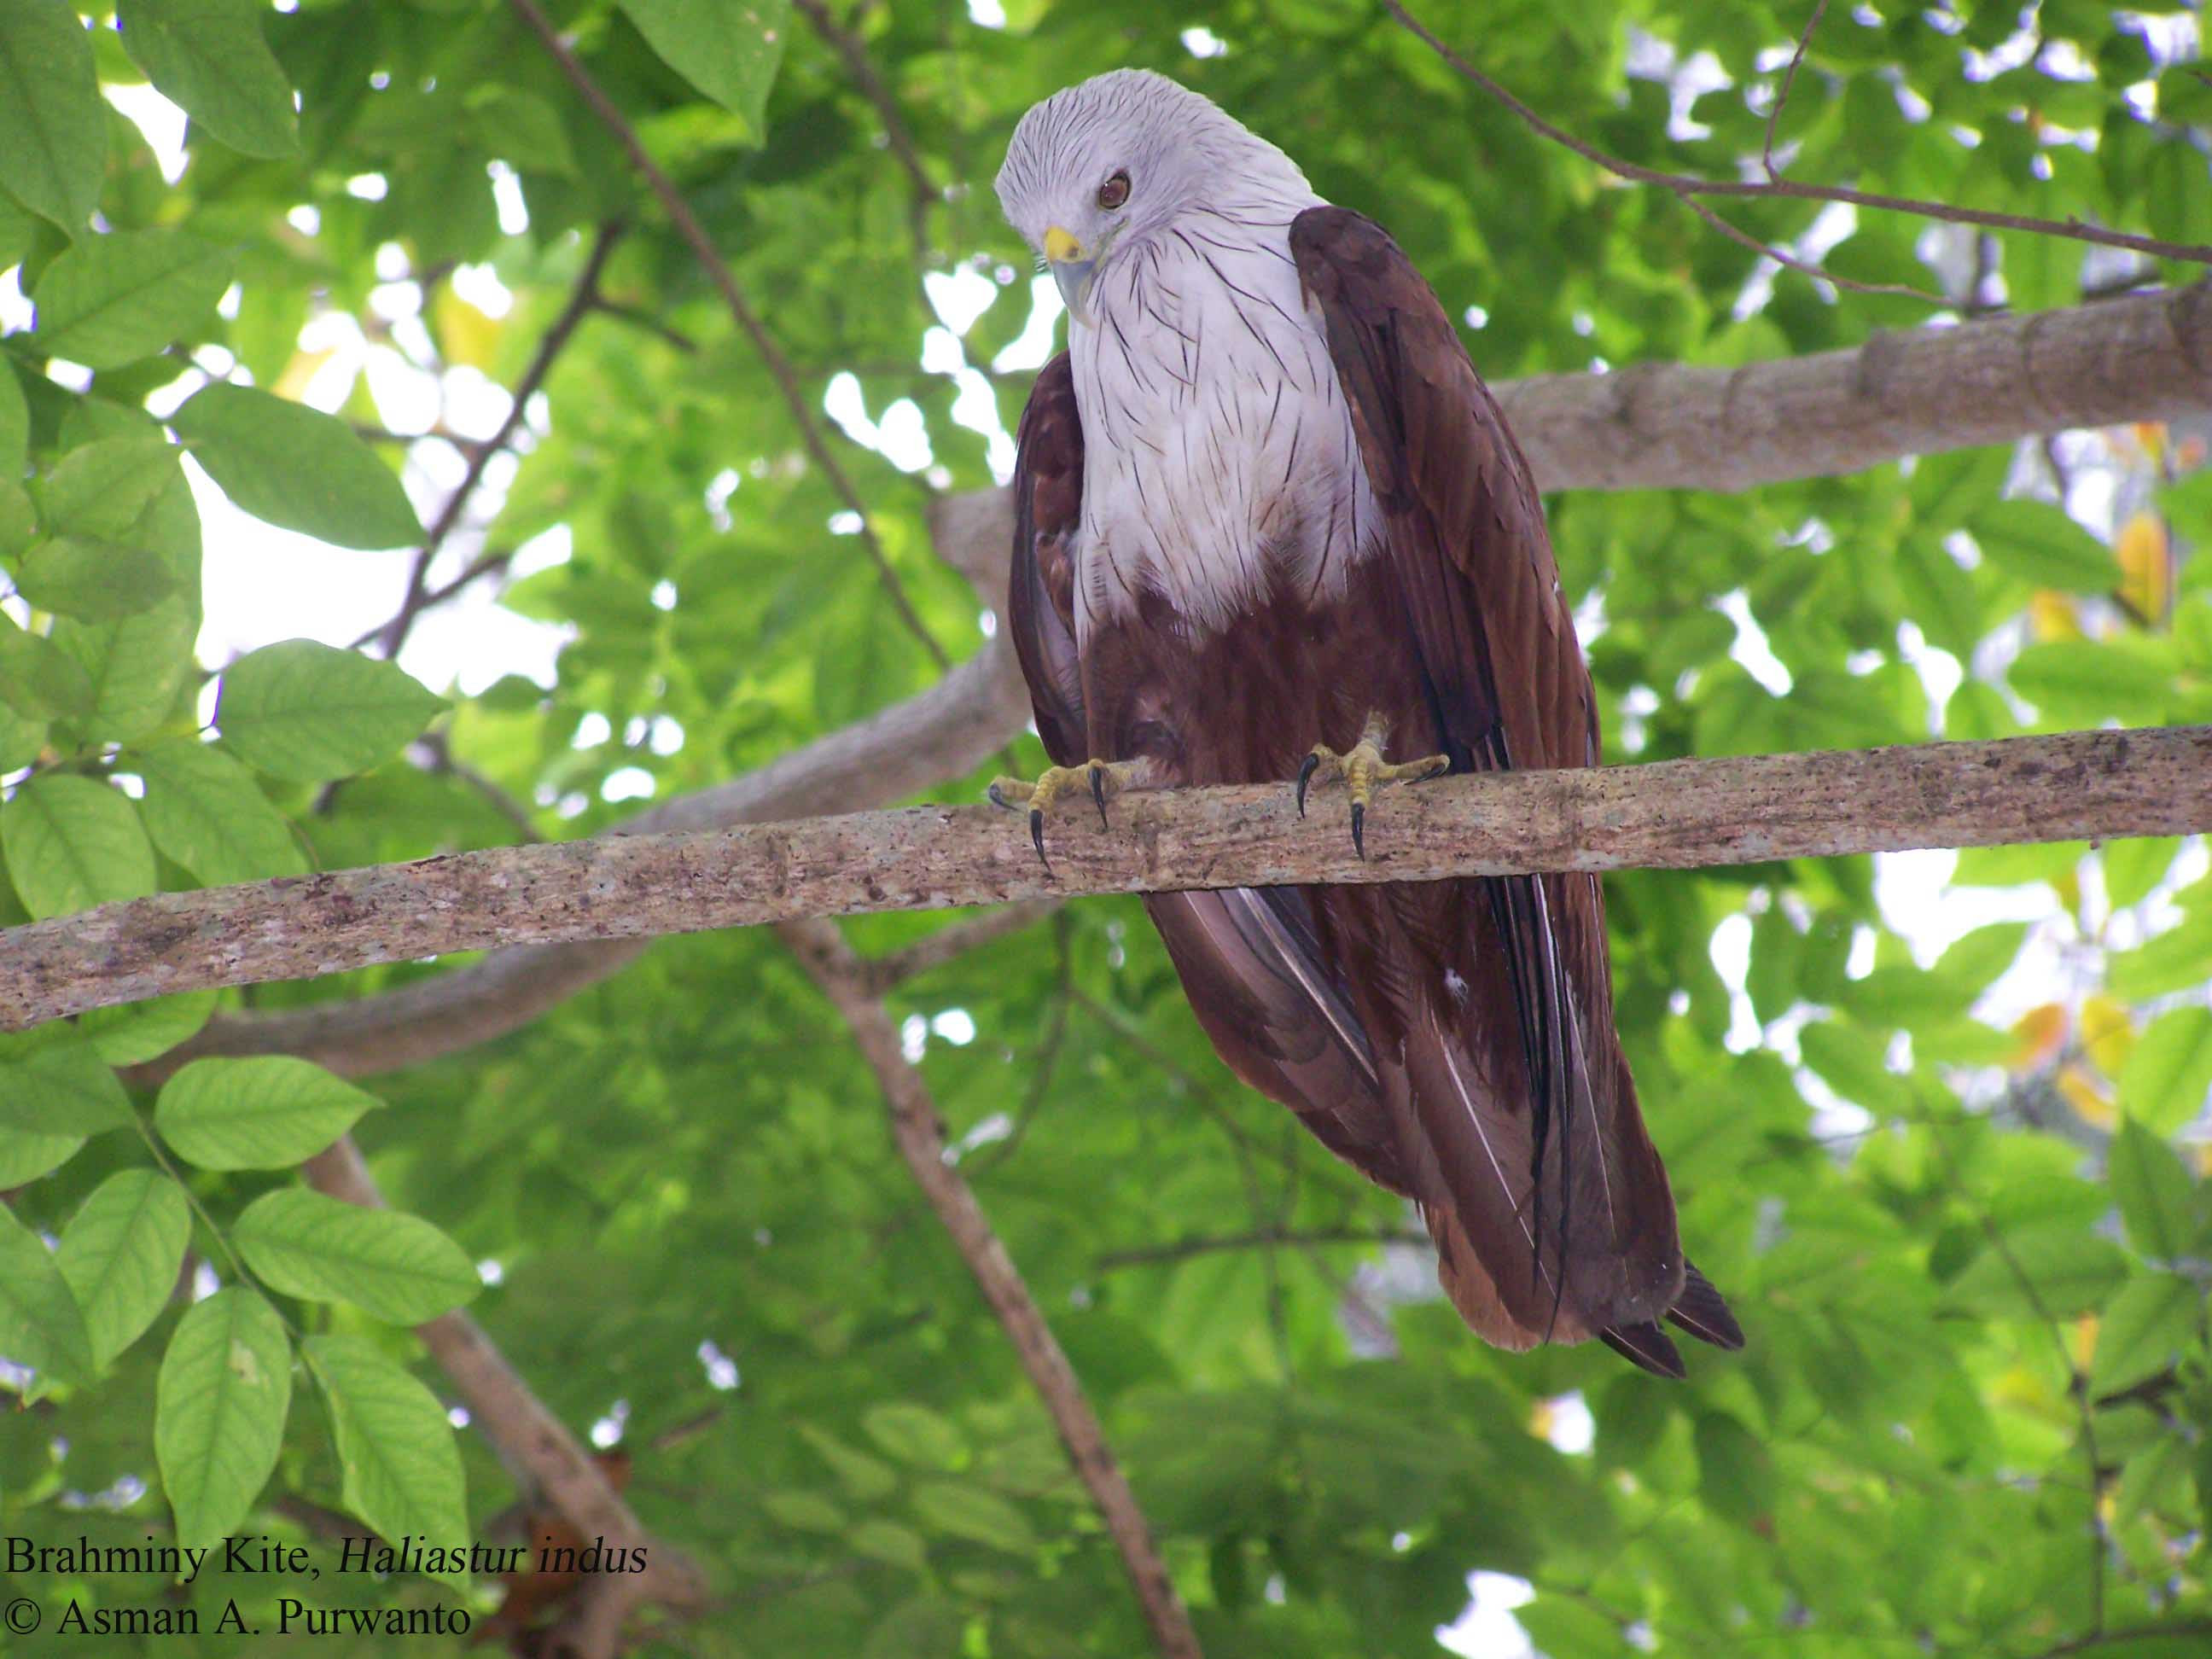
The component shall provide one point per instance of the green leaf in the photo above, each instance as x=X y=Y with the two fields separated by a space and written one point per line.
x=134 y=670
x=296 y=467
x=864 y=1477
x=397 y=1266
x=204 y=811
x=2040 y=542
x=15 y=420
x=132 y=1033
x=268 y=1112
x=72 y=843
x=915 y=1434
x=25 y=1156
x=887 y=1541
x=304 y=711
x=2135 y=864
x=1736 y=1476
x=61 y=1087
x=121 y=1253
x=41 y=1325
x=2049 y=1270
x=112 y=300
x=402 y=1469
x=38 y=679
x=53 y=123
x=129 y=489
x=209 y=57
x=219 y=1410
x=2144 y=1329
x=2176 y=959
x=522 y=127
x=100 y=581
x=2157 y=1200
x=728 y=49
x=972 y=1513
x=1853 y=1062
x=2088 y=679
x=804 y=1512
x=2164 y=1079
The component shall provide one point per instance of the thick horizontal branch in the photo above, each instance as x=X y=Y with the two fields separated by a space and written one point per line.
x=899 y=751
x=1672 y=426
x=1672 y=814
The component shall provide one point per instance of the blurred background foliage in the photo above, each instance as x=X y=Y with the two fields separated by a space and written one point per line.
x=1937 y=1124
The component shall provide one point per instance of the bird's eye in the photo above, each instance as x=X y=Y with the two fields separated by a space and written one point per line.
x=1115 y=190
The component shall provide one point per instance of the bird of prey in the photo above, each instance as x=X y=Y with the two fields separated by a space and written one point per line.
x=1271 y=524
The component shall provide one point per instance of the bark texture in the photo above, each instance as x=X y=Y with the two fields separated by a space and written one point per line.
x=1672 y=814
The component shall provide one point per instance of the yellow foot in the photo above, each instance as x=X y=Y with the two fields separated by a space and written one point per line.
x=1365 y=770
x=1100 y=778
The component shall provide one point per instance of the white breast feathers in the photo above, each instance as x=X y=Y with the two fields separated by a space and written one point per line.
x=1219 y=455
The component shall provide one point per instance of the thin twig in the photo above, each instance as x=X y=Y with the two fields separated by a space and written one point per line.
x=725 y=283
x=394 y=633
x=2077 y=1380
x=438 y=757
x=1687 y=185
x=849 y=46
x=1788 y=80
x=638 y=317
x=914 y=1124
x=934 y=949
x=1804 y=267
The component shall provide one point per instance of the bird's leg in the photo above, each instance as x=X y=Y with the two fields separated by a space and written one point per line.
x=1365 y=770
x=1101 y=779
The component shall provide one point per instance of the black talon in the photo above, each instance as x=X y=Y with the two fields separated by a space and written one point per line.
x=1358 y=825
x=1306 y=769
x=1037 y=835
x=1098 y=793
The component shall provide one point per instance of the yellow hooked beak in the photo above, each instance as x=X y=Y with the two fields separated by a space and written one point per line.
x=1070 y=269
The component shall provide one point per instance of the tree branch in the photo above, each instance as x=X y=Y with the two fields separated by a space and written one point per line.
x=1922 y=392
x=941 y=733
x=1686 y=185
x=894 y=967
x=915 y=1123
x=2146 y=356
x=725 y=283
x=1671 y=814
x=394 y=634
x=873 y=86
x=533 y=1440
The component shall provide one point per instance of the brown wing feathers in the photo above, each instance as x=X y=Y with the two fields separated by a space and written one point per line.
x=1454 y=1041
x=1507 y=688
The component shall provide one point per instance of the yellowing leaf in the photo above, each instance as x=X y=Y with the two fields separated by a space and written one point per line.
x=292 y=382
x=2108 y=1033
x=1541 y=1416
x=2146 y=586
x=2085 y=1340
x=466 y=335
x=2090 y=1103
x=2051 y=614
x=2040 y=1031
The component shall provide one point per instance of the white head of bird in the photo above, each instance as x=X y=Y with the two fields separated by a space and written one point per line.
x=1105 y=166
